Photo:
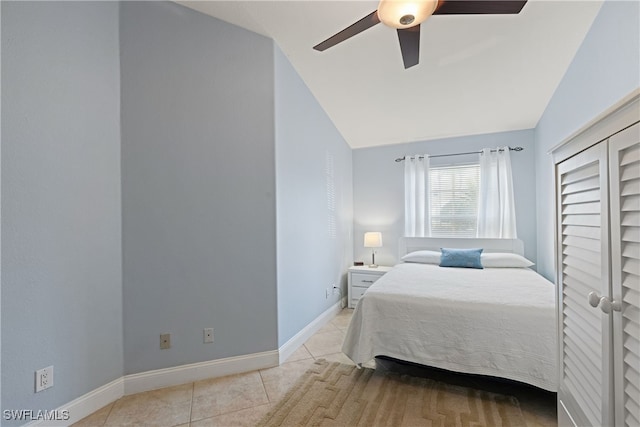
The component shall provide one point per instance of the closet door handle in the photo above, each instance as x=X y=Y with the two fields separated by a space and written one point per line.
x=606 y=305
x=594 y=299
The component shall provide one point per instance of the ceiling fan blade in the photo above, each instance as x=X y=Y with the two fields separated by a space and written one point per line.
x=353 y=29
x=409 y=45
x=478 y=7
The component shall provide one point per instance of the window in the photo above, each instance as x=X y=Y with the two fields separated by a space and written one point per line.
x=453 y=200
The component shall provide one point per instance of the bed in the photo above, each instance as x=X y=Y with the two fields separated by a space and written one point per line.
x=499 y=322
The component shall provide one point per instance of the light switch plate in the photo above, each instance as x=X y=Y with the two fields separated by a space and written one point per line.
x=165 y=341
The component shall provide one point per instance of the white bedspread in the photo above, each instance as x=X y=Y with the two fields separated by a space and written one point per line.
x=497 y=321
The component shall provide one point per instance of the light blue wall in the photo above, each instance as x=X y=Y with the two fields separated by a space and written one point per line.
x=378 y=187
x=314 y=203
x=0 y=227
x=605 y=69
x=199 y=95
x=198 y=199
x=61 y=200
x=198 y=187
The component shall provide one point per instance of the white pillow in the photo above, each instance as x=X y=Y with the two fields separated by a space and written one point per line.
x=423 y=257
x=504 y=260
x=489 y=260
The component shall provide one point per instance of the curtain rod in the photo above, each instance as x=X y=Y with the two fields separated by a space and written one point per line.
x=400 y=159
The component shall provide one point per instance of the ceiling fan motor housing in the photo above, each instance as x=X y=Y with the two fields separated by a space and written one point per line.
x=407 y=19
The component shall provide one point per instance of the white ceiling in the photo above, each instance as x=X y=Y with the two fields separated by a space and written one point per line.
x=477 y=74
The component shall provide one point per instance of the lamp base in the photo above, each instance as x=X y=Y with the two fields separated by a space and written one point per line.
x=373 y=265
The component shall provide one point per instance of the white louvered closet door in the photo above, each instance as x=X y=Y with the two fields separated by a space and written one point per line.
x=624 y=170
x=583 y=260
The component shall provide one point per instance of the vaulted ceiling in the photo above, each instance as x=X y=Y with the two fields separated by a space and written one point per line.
x=477 y=74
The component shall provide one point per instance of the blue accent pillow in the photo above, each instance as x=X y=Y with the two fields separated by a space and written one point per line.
x=466 y=258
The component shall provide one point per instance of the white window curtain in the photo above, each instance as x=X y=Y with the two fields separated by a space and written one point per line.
x=496 y=206
x=416 y=199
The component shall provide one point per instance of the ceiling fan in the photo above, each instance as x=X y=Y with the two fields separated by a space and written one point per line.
x=407 y=15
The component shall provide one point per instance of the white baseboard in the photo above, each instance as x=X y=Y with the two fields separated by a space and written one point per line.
x=87 y=404
x=152 y=380
x=84 y=405
x=295 y=342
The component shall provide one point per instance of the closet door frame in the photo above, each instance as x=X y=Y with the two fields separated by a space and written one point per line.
x=613 y=120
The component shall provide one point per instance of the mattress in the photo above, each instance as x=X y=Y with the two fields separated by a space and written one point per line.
x=494 y=321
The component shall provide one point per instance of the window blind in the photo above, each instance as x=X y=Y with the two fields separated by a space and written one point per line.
x=453 y=193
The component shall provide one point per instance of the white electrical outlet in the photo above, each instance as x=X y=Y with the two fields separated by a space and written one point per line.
x=208 y=335
x=327 y=293
x=44 y=378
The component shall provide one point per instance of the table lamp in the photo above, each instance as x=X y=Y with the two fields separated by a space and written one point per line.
x=373 y=239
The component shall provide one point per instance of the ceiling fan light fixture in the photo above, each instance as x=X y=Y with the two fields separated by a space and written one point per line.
x=405 y=13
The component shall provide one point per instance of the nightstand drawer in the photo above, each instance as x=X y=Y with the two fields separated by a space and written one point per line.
x=357 y=292
x=363 y=280
x=360 y=278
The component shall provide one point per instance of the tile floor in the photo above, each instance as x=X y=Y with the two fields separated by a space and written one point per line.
x=242 y=399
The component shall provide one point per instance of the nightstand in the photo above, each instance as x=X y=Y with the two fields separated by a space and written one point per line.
x=360 y=278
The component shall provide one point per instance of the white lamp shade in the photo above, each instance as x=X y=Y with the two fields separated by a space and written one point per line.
x=394 y=13
x=373 y=239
